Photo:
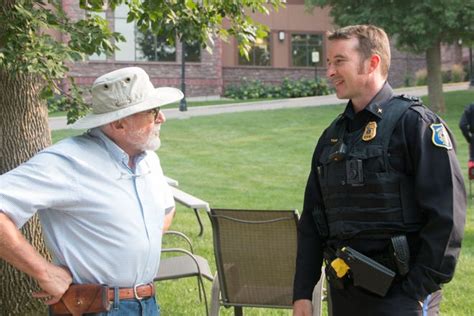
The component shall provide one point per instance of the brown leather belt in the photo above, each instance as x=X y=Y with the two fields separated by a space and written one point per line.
x=138 y=292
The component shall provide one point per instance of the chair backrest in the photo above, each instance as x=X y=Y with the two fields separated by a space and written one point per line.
x=255 y=254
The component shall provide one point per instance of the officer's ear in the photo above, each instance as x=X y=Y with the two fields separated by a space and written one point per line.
x=374 y=63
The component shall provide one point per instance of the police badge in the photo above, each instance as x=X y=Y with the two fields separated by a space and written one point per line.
x=440 y=136
x=370 y=131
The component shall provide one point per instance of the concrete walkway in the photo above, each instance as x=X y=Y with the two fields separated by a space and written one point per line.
x=174 y=113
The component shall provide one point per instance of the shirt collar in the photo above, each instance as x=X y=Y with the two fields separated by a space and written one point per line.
x=115 y=151
x=374 y=106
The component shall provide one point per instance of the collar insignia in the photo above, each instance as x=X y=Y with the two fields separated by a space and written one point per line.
x=440 y=136
x=370 y=131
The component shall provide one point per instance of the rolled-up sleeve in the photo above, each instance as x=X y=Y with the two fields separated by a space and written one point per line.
x=35 y=185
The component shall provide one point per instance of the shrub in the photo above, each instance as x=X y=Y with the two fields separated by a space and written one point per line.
x=421 y=77
x=408 y=81
x=467 y=72
x=446 y=76
x=457 y=73
x=289 y=88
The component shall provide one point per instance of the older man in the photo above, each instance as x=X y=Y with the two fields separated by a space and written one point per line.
x=102 y=199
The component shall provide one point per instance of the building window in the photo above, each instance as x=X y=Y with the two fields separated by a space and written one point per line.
x=192 y=52
x=259 y=54
x=126 y=50
x=153 y=48
x=140 y=46
x=303 y=46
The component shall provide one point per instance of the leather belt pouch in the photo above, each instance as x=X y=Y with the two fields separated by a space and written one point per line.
x=82 y=298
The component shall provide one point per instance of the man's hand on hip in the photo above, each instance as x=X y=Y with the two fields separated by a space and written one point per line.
x=54 y=285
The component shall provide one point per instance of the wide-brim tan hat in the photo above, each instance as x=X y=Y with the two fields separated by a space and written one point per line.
x=124 y=92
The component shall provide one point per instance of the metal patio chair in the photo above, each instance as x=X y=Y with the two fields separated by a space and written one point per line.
x=255 y=253
x=183 y=265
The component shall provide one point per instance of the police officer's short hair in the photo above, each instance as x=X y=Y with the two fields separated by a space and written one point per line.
x=372 y=40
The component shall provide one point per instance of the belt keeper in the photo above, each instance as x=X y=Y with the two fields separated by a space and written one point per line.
x=116 y=298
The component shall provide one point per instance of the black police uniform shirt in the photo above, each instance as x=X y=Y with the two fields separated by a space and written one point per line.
x=466 y=123
x=440 y=193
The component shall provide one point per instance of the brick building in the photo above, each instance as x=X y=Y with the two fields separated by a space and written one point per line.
x=295 y=48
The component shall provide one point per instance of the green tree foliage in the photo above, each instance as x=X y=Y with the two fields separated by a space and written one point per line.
x=200 y=21
x=31 y=42
x=27 y=46
x=418 y=26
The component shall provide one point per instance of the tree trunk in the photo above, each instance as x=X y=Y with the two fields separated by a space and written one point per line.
x=435 y=84
x=24 y=131
x=457 y=53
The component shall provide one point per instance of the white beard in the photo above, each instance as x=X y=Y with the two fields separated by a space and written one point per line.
x=152 y=142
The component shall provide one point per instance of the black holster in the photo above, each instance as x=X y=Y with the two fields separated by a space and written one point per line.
x=336 y=282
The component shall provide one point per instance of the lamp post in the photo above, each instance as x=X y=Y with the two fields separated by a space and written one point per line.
x=182 y=104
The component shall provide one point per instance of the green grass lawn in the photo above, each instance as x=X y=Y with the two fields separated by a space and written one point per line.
x=261 y=160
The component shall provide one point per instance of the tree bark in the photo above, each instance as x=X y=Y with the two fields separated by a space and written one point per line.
x=457 y=53
x=435 y=84
x=24 y=131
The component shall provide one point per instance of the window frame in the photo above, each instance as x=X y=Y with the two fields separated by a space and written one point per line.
x=199 y=49
x=138 y=55
x=269 y=41
x=308 y=51
x=154 y=48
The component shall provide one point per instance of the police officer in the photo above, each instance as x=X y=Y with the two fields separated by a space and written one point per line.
x=385 y=182
x=466 y=124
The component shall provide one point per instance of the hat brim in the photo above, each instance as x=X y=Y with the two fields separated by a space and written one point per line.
x=161 y=96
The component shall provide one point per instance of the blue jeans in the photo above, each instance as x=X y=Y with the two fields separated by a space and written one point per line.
x=145 y=307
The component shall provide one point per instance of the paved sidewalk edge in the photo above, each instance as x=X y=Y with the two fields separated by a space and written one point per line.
x=56 y=123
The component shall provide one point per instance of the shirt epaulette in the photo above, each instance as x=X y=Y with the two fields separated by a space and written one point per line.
x=409 y=98
x=418 y=106
x=426 y=114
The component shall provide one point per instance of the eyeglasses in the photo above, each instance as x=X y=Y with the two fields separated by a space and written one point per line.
x=155 y=112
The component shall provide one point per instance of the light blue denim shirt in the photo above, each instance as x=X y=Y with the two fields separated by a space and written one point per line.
x=100 y=218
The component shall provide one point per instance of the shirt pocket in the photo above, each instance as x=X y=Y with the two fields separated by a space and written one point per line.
x=372 y=158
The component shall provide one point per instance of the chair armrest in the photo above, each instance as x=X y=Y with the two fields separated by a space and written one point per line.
x=180 y=250
x=189 y=200
x=172 y=182
x=183 y=236
x=178 y=267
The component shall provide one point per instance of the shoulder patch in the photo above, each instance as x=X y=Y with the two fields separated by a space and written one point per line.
x=440 y=136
